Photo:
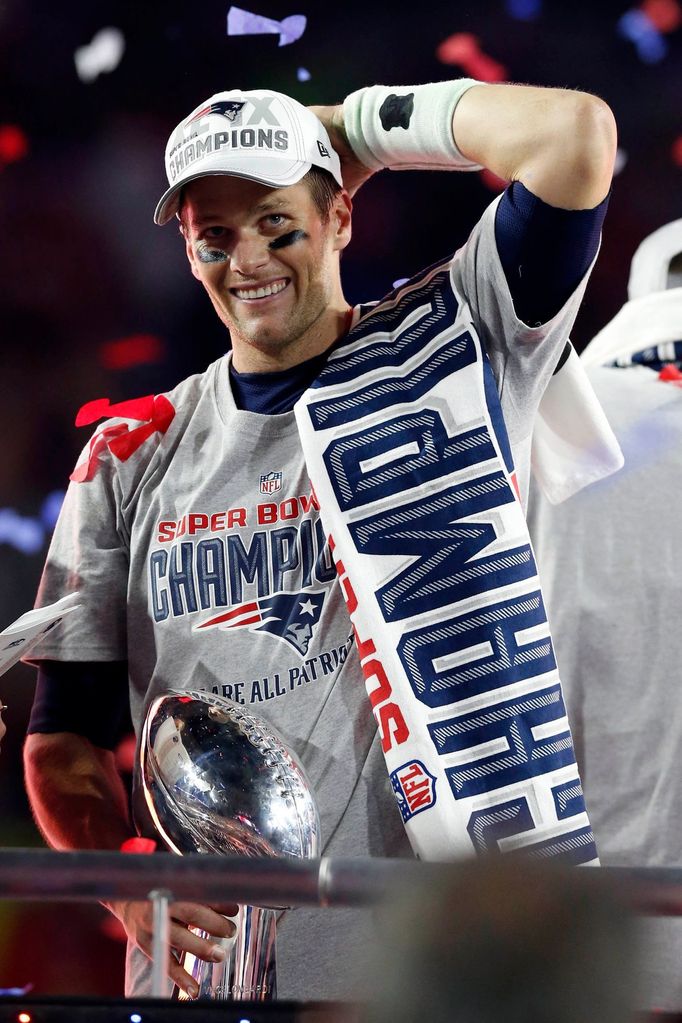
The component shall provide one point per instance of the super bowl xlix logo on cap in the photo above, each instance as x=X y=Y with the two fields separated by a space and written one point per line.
x=248 y=124
x=414 y=788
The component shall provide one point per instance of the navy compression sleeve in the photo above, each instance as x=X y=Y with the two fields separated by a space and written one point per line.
x=89 y=698
x=544 y=250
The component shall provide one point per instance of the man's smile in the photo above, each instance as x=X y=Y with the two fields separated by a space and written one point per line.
x=259 y=292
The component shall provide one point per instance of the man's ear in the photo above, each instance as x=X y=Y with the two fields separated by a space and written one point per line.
x=341 y=219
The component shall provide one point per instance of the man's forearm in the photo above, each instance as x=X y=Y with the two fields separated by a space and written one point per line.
x=76 y=792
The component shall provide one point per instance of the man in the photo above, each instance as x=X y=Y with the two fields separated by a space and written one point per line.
x=209 y=507
x=610 y=562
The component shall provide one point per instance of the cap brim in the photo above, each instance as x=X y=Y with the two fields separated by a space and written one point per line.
x=271 y=171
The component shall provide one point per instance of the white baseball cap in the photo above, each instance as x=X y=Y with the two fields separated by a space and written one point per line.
x=260 y=135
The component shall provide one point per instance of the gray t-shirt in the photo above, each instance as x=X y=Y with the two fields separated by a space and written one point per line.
x=610 y=563
x=216 y=517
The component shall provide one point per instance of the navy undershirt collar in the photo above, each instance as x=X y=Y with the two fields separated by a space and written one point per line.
x=274 y=393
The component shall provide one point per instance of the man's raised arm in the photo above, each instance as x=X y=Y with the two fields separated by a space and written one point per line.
x=559 y=143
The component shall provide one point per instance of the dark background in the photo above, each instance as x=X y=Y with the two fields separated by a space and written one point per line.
x=83 y=267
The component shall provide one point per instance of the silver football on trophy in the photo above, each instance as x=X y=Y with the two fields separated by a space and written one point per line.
x=218 y=779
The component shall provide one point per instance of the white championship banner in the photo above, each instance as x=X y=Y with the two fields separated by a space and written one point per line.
x=409 y=457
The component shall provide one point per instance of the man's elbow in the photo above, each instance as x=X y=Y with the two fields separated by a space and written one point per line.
x=590 y=140
x=54 y=756
x=43 y=760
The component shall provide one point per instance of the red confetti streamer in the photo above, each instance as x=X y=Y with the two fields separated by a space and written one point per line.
x=156 y=412
x=13 y=144
x=138 y=845
x=671 y=375
x=463 y=49
x=101 y=408
x=664 y=15
x=137 y=350
x=677 y=151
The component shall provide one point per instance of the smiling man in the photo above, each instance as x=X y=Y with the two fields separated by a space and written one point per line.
x=277 y=291
x=198 y=544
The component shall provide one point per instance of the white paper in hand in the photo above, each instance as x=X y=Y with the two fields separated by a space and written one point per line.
x=21 y=636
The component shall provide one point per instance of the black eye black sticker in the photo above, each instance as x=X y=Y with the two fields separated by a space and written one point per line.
x=396 y=111
x=287 y=239
x=207 y=254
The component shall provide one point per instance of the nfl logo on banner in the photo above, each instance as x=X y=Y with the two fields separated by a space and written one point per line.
x=271 y=482
x=414 y=788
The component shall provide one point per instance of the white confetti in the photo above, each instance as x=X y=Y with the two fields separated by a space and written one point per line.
x=620 y=161
x=103 y=54
x=246 y=23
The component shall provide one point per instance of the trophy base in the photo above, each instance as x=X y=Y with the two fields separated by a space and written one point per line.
x=248 y=972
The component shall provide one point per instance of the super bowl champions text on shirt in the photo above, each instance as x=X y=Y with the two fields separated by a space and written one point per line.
x=204 y=565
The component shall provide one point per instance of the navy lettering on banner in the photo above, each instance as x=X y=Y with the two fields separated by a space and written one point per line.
x=572 y=848
x=480 y=651
x=375 y=396
x=422 y=314
x=522 y=756
x=446 y=568
x=488 y=826
x=569 y=800
x=356 y=481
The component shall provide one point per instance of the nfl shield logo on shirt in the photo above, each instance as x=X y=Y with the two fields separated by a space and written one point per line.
x=271 y=482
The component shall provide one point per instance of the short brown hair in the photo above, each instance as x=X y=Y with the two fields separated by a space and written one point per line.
x=324 y=189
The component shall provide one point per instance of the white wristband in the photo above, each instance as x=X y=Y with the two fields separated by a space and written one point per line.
x=406 y=127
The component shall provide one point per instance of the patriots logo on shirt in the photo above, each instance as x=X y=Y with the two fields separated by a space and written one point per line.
x=231 y=109
x=291 y=617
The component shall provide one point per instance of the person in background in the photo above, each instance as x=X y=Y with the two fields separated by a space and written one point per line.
x=504 y=939
x=611 y=566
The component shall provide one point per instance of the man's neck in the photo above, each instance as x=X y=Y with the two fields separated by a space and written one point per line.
x=321 y=335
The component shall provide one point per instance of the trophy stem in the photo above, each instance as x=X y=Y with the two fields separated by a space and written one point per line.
x=248 y=972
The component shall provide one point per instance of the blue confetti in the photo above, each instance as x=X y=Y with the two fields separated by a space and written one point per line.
x=637 y=27
x=303 y=75
x=27 y=534
x=52 y=505
x=401 y=280
x=524 y=10
x=15 y=992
